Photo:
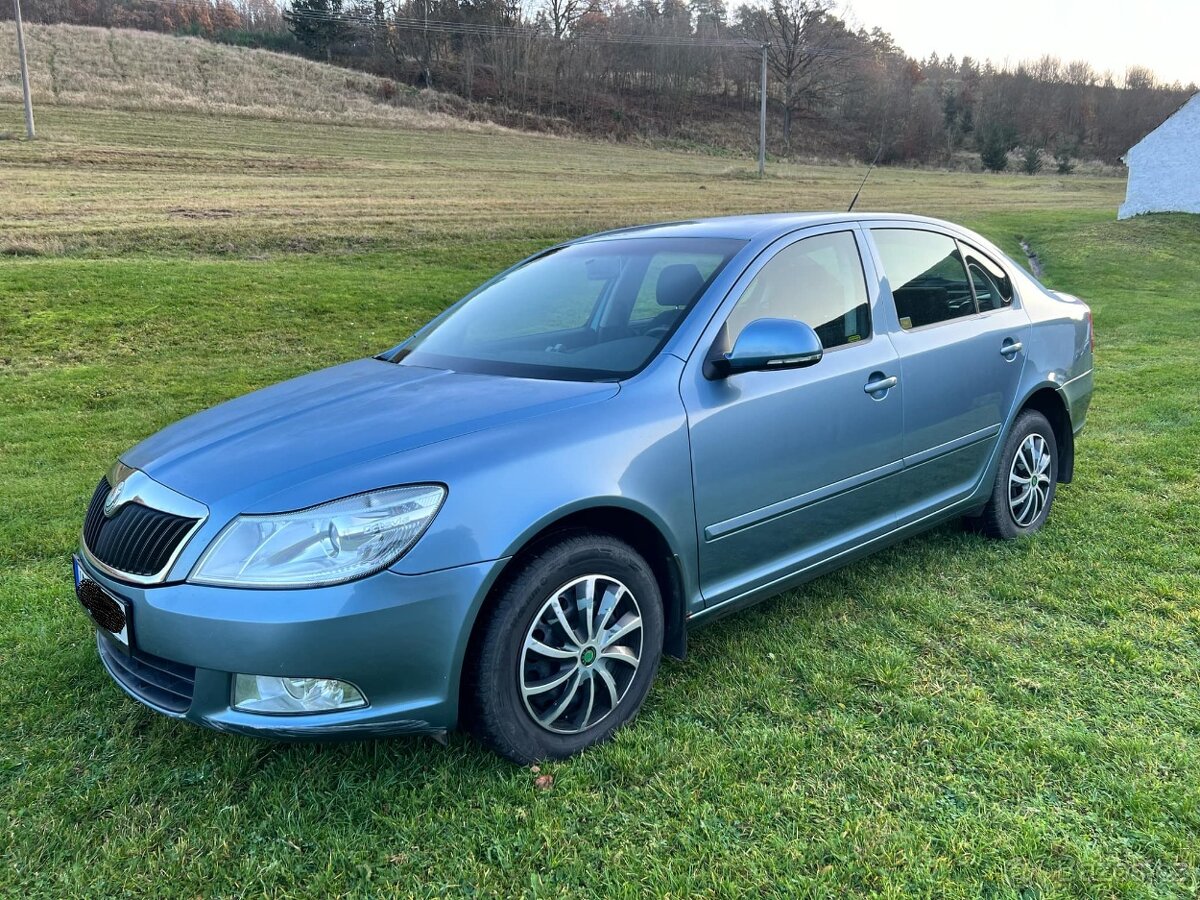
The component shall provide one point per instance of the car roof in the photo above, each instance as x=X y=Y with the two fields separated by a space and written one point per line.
x=762 y=225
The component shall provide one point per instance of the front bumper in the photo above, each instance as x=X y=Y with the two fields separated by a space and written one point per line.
x=400 y=639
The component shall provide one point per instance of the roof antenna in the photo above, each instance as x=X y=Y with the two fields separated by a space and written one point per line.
x=878 y=153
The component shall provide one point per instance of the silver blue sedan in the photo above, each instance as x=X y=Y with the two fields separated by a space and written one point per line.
x=504 y=522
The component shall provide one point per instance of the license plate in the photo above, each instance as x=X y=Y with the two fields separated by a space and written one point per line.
x=108 y=612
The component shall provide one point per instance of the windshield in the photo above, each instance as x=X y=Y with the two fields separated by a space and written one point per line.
x=594 y=311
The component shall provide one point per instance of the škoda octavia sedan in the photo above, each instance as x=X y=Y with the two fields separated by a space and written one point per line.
x=504 y=522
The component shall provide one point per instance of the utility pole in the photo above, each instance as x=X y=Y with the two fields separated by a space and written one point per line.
x=762 y=116
x=24 y=70
x=428 y=50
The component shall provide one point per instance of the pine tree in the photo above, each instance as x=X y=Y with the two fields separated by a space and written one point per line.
x=1031 y=162
x=317 y=24
x=993 y=150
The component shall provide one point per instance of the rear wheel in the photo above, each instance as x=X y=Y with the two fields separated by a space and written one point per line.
x=569 y=651
x=1025 y=482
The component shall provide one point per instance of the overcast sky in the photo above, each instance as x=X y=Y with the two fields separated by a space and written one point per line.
x=1161 y=34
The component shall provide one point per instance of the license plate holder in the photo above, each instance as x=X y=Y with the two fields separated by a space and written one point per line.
x=110 y=613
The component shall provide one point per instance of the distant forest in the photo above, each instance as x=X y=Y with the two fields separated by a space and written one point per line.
x=688 y=73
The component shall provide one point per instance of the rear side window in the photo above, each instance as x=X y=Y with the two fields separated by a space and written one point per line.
x=926 y=273
x=993 y=287
x=818 y=281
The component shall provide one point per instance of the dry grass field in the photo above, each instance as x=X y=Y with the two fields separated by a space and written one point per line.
x=116 y=181
x=949 y=718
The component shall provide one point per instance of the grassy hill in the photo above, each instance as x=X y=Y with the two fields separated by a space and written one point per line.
x=74 y=65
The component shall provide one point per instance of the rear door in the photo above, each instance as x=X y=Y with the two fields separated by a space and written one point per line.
x=961 y=342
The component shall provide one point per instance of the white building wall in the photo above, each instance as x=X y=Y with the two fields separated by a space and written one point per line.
x=1164 y=167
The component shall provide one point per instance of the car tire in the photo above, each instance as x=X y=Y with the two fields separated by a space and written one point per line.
x=608 y=660
x=1018 y=507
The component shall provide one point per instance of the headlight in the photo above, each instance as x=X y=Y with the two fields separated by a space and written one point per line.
x=321 y=545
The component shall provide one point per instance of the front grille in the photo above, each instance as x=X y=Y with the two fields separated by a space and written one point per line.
x=157 y=682
x=137 y=539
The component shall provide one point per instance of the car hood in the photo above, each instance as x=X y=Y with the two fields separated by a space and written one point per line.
x=256 y=445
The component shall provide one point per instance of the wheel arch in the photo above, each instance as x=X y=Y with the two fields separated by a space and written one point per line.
x=631 y=525
x=1047 y=400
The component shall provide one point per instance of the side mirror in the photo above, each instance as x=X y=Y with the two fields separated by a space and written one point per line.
x=767 y=344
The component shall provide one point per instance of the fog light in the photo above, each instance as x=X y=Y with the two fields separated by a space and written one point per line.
x=267 y=694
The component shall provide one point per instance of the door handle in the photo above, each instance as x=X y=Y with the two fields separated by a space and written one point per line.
x=1010 y=348
x=881 y=384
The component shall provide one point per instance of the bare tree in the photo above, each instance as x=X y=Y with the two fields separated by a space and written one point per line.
x=807 y=54
x=563 y=15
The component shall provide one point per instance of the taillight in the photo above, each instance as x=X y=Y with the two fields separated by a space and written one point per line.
x=1091 y=333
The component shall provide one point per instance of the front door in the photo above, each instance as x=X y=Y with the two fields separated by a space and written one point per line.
x=789 y=466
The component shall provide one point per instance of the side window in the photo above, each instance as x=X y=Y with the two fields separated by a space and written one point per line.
x=926 y=273
x=993 y=287
x=818 y=281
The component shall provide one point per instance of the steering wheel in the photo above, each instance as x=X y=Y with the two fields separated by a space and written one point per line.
x=657 y=331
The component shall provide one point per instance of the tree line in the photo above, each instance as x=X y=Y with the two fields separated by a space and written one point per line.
x=688 y=71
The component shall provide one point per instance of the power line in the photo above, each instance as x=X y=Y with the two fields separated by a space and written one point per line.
x=439 y=26
x=489 y=30
x=442 y=26
x=446 y=27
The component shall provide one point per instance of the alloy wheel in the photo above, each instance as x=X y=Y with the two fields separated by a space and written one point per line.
x=1029 y=480
x=581 y=654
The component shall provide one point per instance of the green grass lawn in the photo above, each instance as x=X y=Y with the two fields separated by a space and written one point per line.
x=951 y=717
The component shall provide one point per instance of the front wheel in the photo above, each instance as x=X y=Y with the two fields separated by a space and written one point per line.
x=568 y=652
x=1025 y=482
